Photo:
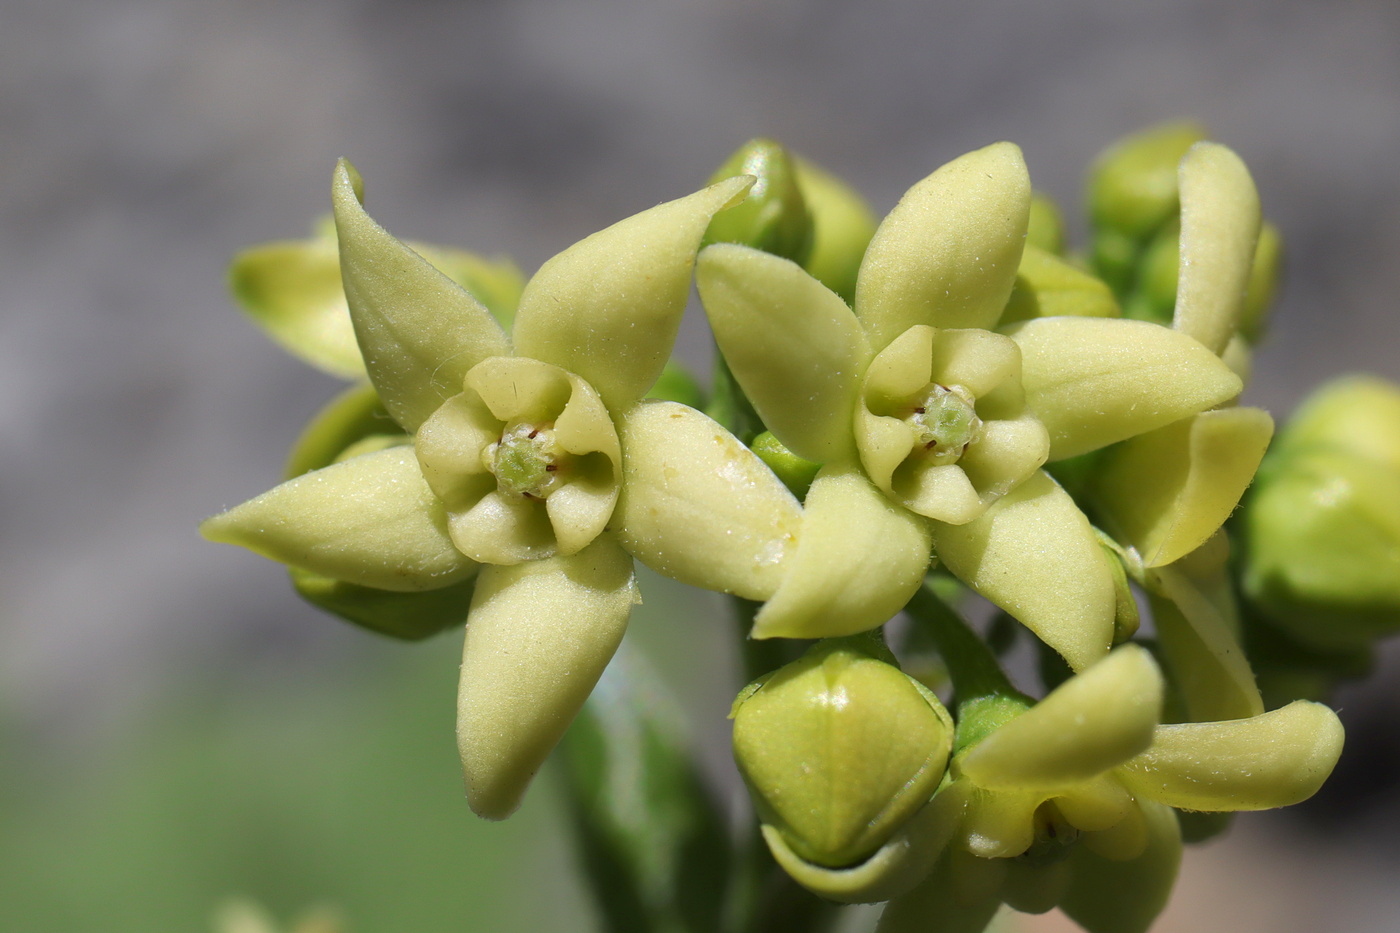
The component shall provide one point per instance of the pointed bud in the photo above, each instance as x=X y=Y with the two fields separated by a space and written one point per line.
x=795 y=472
x=839 y=749
x=1322 y=525
x=774 y=217
x=1047 y=227
x=1133 y=185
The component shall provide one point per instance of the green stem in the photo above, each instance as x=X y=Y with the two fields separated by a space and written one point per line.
x=985 y=697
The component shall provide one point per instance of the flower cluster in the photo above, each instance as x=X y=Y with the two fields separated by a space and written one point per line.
x=940 y=404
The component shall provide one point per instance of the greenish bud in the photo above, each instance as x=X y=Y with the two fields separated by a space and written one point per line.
x=1048 y=286
x=795 y=472
x=1114 y=258
x=774 y=217
x=1125 y=609
x=1154 y=294
x=406 y=616
x=839 y=750
x=1264 y=278
x=1046 y=229
x=676 y=384
x=1133 y=184
x=1322 y=525
x=842 y=225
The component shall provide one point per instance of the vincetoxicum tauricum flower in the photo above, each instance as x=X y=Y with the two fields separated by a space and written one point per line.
x=515 y=467
x=1056 y=797
x=932 y=417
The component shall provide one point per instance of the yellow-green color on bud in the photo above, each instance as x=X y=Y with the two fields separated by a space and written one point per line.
x=676 y=384
x=1154 y=293
x=795 y=472
x=842 y=225
x=1048 y=286
x=1322 y=527
x=774 y=217
x=1133 y=184
x=1046 y=229
x=839 y=750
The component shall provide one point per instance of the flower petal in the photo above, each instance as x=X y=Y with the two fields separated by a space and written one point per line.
x=792 y=344
x=1092 y=722
x=945 y=902
x=700 y=507
x=418 y=330
x=859 y=558
x=947 y=254
x=1096 y=381
x=607 y=308
x=538 y=638
x=1034 y=554
x=292 y=290
x=1107 y=896
x=498 y=528
x=1219 y=229
x=1048 y=286
x=1167 y=491
x=1202 y=648
x=350 y=417
x=1274 y=759
x=371 y=520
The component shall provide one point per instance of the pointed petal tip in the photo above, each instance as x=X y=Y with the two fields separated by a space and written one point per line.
x=346 y=175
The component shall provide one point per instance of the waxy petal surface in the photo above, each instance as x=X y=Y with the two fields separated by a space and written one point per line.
x=859 y=559
x=418 y=330
x=700 y=507
x=1096 y=381
x=947 y=254
x=607 y=308
x=1108 y=896
x=1169 y=490
x=371 y=520
x=1034 y=555
x=538 y=638
x=793 y=345
x=1089 y=724
x=1219 y=229
x=1274 y=759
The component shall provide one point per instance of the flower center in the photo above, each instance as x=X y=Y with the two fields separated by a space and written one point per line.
x=527 y=461
x=1055 y=836
x=945 y=422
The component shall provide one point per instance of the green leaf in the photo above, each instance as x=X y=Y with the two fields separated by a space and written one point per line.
x=1167 y=491
x=859 y=558
x=407 y=616
x=947 y=254
x=418 y=330
x=1273 y=759
x=700 y=507
x=793 y=345
x=540 y=634
x=652 y=835
x=1093 y=722
x=1095 y=381
x=1219 y=232
x=371 y=520
x=607 y=308
x=1034 y=554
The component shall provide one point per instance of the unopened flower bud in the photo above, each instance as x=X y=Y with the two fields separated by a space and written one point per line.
x=1046 y=229
x=1322 y=526
x=1264 y=279
x=1133 y=185
x=774 y=217
x=839 y=750
x=842 y=225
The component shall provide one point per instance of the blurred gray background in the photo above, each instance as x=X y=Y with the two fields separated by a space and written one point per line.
x=142 y=142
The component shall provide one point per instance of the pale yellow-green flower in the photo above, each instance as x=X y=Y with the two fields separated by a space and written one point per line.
x=1073 y=790
x=516 y=465
x=933 y=418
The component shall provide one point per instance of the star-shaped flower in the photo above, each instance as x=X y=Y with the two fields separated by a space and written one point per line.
x=1056 y=797
x=515 y=466
x=932 y=423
